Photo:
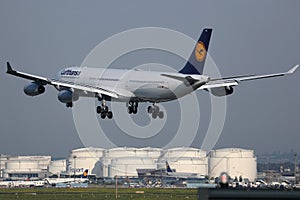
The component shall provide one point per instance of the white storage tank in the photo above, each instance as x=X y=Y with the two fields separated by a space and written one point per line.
x=22 y=165
x=235 y=162
x=126 y=166
x=87 y=152
x=151 y=152
x=104 y=162
x=184 y=152
x=85 y=158
x=110 y=163
x=57 y=166
x=120 y=152
x=133 y=152
x=3 y=160
x=28 y=162
x=184 y=159
x=191 y=165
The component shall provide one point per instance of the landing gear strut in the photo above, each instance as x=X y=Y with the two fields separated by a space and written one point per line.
x=155 y=112
x=132 y=107
x=103 y=110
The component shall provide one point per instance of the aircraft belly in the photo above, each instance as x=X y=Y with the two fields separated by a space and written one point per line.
x=154 y=93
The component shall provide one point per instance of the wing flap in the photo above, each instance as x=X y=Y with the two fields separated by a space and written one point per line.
x=210 y=85
x=96 y=90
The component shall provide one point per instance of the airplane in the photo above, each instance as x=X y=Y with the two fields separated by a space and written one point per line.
x=55 y=181
x=185 y=175
x=137 y=86
x=27 y=183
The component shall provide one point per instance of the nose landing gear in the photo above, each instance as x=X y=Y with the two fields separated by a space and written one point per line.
x=69 y=104
x=132 y=107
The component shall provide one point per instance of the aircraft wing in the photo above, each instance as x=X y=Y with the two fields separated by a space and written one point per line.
x=58 y=83
x=40 y=79
x=233 y=81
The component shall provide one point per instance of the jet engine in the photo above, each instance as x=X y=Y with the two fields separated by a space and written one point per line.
x=67 y=96
x=34 y=89
x=222 y=91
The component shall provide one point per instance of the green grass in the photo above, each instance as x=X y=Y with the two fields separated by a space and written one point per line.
x=97 y=193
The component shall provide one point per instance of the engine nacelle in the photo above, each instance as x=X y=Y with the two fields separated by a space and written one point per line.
x=34 y=89
x=67 y=96
x=222 y=91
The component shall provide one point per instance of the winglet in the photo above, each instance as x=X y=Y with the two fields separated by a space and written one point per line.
x=292 y=70
x=9 y=68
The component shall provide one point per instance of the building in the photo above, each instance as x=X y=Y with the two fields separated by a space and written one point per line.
x=20 y=167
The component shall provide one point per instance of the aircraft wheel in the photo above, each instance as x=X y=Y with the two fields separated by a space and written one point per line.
x=134 y=110
x=129 y=109
x=150 y=109
x=154 y=115
x=99 y=109
x=69 y=105
x=109 y=114
x=160 y=114
x=103 y=115
x=105 y=109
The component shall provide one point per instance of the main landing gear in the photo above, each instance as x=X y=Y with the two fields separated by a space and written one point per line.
x=155 y=112
x=103 y=111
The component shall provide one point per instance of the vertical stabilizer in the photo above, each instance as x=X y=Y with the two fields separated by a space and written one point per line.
x=168 y=167
x=85 y=173
x=195 y=64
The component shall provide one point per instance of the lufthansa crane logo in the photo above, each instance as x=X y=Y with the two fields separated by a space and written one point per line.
x=200 y=51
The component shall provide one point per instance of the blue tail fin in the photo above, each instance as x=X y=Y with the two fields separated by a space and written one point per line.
x=196 y=62
x=85 y=173
x=168 y=167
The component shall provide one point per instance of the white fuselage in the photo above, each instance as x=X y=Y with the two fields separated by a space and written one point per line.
x=149 y=86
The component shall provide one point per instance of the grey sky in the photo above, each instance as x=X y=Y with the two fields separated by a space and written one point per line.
x=41 y=37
